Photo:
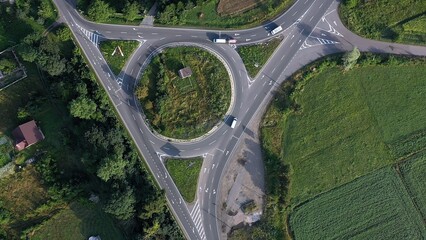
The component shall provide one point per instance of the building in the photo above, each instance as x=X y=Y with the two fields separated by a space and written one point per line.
x=185 y=72
x=26 y=135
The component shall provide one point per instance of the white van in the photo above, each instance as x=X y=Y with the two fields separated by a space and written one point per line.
x=219 y=40
x=234 y=122
x=276 y=30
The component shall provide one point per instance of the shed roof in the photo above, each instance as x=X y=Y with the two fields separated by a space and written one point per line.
x=185 y=72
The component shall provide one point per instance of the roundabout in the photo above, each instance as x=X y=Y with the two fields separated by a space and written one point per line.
x=184 y=92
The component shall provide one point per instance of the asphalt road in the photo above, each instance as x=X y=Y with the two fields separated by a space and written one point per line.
x=312 y=29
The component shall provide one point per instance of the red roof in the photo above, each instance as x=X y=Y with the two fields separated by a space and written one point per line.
x=26 y=135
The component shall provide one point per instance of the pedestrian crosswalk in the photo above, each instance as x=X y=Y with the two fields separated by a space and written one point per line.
x=198 y=220
x=92 y=36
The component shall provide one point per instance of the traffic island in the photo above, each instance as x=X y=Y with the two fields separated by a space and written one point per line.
x=255 y=56
x=184 y=173
x=116 y=53
x=184 y=92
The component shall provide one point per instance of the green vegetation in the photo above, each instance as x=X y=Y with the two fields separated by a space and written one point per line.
x=219 y=13
x=255 y=56
x=185 y=174
x=79 y=220
x=189 y=107
x=6 y=149
x=115 y=12
x=375 y=206
x=325 y=128
x=84 y=152
x=413 y=173
x=116 y=62
x=392 y=20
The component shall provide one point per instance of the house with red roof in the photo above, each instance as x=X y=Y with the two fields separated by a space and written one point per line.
x=26 y=135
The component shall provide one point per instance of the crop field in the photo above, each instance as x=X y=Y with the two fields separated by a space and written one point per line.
x=116 y=62
x=375 y=206
x=326 y=128
x=78 y=221
x=350 y=126
x=414 y=175
x=185 y=174
x=396 y=20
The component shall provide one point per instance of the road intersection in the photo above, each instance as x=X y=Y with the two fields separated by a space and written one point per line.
x=312 y=29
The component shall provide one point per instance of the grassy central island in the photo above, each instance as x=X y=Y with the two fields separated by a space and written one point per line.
x=184 y=107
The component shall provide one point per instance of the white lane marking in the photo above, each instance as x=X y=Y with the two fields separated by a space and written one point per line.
x=291 y=44
x=134 y=118
x=321 y=5
x=294 y=13
x=178 y=35
x=212 y=142
x=154 y=33
x=123 y=32
x=108 y=31
x=311 y=18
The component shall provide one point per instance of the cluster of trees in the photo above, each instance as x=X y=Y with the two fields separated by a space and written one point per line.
x=105 y=161
x=104 y=10
x=170 y=12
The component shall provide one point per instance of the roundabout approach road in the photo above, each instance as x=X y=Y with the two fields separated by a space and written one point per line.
x=312 y=29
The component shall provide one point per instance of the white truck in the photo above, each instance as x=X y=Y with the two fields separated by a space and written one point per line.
x=276 y=30
x=234 y=122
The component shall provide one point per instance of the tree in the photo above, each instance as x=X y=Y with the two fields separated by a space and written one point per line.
x=7 y=66
x=84 y=108
x=112 y=168
x=45 y=10
x=122 y=204
x=28 y=53
x=52 y=64
x=100 y=11
x=350 y=58
x=131 y=11
x=142 y=92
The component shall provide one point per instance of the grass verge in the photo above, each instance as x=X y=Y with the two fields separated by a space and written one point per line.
x=112 y=54
x=392 y=20
x=184 y=107
x=255 y=56
x=184 y=173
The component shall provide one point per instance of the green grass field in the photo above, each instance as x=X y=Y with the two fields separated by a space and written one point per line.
x=255 y=56
x=375 y=206
x=347 y=120
x=395 y=20
x=78 y=221
x=414 y=176
x=325 y=128
x=117 y=62
x=189 y=107
x=185 y=173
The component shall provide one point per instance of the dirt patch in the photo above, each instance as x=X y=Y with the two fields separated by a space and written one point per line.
x=232 y=7
x=243 y=187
